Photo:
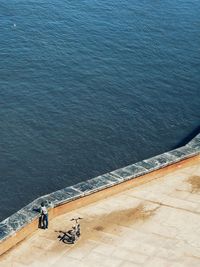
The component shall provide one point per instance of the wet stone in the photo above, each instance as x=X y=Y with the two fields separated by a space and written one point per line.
x=100 y=182
x=60 y=197
x=17 y=220
x=177 y=153
x=146 y=165
x=84 y=186
x=183 y=153
x=123 y=173
x=93 y=185
x=136 y=170
x=188 y=151
x=195 y=142
x=160 y=161
x=64 y=195
x=153 y=163
x=32 y=210
x=35 y=205
x=170 y=158
x=30 y=214
x=5 y=231
x=112 y=178
x=71 y=191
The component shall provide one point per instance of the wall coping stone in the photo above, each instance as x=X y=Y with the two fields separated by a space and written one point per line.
x=27 y=214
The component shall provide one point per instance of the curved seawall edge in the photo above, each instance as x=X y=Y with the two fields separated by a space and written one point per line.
x=24 y=221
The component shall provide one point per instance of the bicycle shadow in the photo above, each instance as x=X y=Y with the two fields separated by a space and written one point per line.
x=66 y=237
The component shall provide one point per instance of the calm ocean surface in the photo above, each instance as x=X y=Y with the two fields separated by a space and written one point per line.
x=90 y=86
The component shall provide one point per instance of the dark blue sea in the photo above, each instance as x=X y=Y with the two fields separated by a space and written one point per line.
x=89 y=86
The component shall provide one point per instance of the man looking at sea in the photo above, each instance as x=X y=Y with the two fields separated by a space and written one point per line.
x=44 y=216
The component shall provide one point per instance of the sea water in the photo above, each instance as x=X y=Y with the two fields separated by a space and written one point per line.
x=89 y=86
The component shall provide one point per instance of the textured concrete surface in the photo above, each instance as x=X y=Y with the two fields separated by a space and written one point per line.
x=155 y=224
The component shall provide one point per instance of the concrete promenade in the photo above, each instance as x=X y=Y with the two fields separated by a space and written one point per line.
x=156 y=224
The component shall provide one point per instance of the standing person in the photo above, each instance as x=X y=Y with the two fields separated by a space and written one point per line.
x=44 y=216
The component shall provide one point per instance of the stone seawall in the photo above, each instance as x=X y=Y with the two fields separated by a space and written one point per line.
x=22 y=223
